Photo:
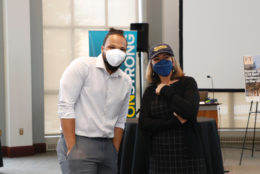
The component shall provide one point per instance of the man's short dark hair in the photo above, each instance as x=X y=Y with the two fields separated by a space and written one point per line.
x=113 y=31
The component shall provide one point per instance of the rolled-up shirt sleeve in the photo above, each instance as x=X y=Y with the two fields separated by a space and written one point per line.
x=124 y=110
x=70 y=87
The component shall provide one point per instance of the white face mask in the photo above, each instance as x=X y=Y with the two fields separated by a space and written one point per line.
x=115 y=57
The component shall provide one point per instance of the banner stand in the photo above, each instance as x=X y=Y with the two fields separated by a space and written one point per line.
x=253 y=145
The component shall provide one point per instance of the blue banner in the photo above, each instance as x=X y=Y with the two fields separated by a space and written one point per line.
x=129 y=66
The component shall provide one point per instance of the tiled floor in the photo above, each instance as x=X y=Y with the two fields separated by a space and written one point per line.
x=47 y=163
x=249 y=165
x=44 y=163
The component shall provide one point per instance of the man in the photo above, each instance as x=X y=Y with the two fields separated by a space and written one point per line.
x=93 y=105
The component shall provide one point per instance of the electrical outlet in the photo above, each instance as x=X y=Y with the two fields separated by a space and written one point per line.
x=21 y=131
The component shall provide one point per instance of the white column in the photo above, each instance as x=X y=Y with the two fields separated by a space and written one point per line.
x=230 y=105
x=17 y=72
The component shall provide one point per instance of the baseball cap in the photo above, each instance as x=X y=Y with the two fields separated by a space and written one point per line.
x=160 y=48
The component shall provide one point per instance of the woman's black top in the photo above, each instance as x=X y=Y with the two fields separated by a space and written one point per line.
x=172 y=141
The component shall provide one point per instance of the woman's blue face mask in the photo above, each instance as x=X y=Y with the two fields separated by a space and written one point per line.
x=163 y=68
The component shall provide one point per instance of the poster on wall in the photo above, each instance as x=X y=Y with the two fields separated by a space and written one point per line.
x=252 y=77
x=129 y=66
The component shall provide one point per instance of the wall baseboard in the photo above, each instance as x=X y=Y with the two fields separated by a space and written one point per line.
x=39 y=147
x=20 y=151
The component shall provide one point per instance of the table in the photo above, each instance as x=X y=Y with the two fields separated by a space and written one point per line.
x=209 y=111
x=134 y=154
x=1 y=157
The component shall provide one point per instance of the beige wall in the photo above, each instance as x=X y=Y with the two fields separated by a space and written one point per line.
x=36 y=78
x=2 y=84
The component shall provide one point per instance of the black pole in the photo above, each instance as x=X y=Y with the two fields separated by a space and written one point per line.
x=140 y=71
x=243 y=147
x=253 y=147
x=181 y=32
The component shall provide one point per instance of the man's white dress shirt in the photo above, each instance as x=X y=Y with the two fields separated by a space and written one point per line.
x=97 y=100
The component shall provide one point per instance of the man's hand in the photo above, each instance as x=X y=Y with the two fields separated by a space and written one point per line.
x=68 y=129
x=69 y=149
x=118 y=134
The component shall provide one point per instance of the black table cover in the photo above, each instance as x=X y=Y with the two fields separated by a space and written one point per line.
x=134 y=151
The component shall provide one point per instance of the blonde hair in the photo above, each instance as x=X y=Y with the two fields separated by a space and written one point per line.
x=153 y=77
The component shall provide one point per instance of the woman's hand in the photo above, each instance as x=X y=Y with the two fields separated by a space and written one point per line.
x=159 y=87
x=180 y=118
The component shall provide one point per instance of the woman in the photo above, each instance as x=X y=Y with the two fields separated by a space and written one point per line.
x=169 y=116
